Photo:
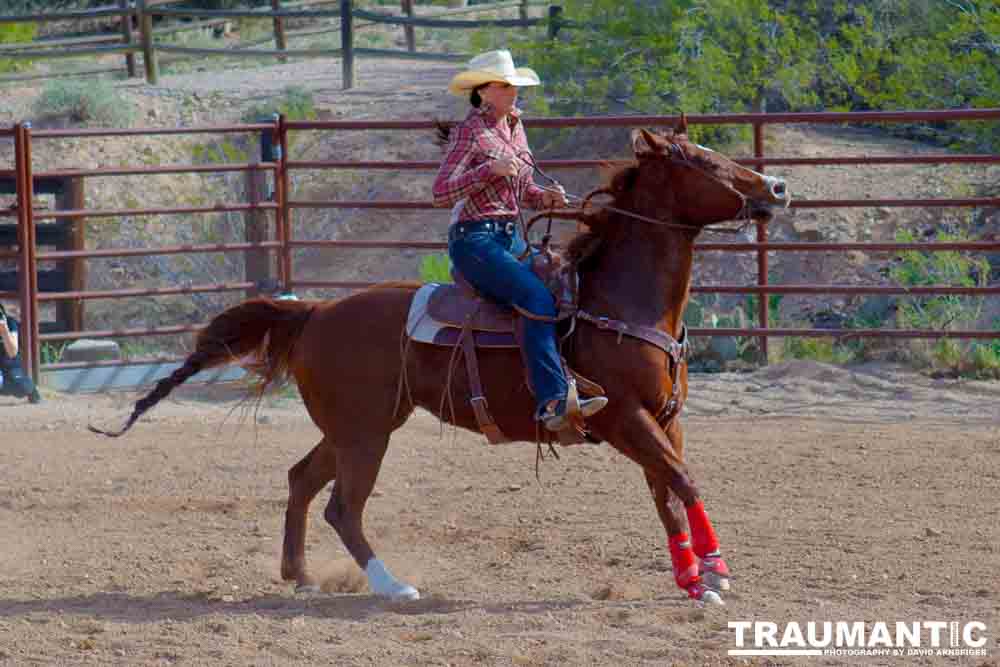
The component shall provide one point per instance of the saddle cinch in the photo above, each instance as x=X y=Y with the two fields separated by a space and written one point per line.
x=449 y=315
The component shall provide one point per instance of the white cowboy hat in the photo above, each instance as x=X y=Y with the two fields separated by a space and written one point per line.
x=491 y=66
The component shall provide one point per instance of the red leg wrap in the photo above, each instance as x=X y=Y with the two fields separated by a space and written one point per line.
x=703 y=536
x=685 y=567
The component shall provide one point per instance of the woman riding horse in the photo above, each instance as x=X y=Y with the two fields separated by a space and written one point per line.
x=486 y=174
x=634 y=264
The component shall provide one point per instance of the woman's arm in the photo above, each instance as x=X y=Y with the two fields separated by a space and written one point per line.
x=455 y=180
x=8 y=338
x=533 y=196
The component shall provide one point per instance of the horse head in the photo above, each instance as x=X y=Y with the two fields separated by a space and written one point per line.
x=688 y=184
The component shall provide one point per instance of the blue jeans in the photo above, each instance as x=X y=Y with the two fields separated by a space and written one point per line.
x=487 y=258
x=13 y=381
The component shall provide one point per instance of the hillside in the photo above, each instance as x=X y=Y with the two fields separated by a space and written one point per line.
x=394 y=90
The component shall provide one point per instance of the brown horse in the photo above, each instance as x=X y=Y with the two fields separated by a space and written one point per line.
x=635 y=272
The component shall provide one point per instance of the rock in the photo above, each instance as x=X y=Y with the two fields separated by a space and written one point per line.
x=722 y=349
x=88 y=349
x=930 y=532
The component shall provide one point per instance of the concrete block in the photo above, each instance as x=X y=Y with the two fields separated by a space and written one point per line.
x=88 y=349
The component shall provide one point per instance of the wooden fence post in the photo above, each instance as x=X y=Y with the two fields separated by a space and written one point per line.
x=148 y=50
x=72 y=197
x=279 y=30
x=257 y=261
x=411 y=38
x=347 y=43
x=523 y=10
x=555 y=19
x=127 y=38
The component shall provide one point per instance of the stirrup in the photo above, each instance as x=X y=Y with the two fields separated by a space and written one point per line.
x=554 y=419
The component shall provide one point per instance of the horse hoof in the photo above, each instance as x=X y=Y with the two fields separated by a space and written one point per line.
x=307 y=588
x=710 y=597
x=715 y=573
x=383 y=584
x=406 y=593
x=715 y=581
x=704 y=595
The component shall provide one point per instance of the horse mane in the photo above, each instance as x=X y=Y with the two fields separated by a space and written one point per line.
x=585 y=246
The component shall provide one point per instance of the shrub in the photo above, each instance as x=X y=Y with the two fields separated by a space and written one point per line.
x=11 y=33
x=825 y=350
x=915 y=268
x=986 y=360
x=295 y=102
x=435 y=269
x=93 y=102
x=943 y=312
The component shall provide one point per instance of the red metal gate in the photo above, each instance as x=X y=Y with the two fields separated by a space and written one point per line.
x=284 y=204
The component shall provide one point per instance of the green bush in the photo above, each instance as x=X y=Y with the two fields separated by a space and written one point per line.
x=12 y=33
x=52 y=353
x=825 y=350
x=945 y=312
x=435 y=269
x=986 y=360
x=93 y=102
x=295 y=102
x=914 y=268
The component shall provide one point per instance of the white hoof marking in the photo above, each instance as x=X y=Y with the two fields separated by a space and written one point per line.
x=382 y=583
x=307 y=588
x=711 y=598
x=715 y=582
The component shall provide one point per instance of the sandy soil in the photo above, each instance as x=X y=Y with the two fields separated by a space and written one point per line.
x=861 y=494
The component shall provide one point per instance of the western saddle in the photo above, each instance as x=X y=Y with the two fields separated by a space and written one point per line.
x=456 y=314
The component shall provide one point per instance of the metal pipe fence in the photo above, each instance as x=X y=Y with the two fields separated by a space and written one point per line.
x=282 y=204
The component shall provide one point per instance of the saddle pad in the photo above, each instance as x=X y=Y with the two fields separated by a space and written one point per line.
x=422 y=327
x=453 y=305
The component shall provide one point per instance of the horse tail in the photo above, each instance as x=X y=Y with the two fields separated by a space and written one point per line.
x=262 y=329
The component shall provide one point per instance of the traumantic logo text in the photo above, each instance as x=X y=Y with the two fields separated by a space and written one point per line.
x=846 y=638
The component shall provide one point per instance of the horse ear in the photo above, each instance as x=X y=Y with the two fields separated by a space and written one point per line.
x=682 y=125
x=644 y=141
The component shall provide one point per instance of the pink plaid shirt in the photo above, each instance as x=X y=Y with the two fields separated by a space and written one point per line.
x=465 y=174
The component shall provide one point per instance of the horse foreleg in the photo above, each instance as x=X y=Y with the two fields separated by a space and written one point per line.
x=305 y=479
x=358 y=463
x=647 y=444
x=711 y=566
x=682 y=559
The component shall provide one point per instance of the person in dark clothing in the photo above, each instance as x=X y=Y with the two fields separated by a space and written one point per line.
x=13 y=381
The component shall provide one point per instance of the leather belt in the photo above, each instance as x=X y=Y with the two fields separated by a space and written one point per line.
x=463 y=228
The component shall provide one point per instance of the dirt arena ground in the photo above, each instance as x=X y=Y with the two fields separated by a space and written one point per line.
x=867 y=494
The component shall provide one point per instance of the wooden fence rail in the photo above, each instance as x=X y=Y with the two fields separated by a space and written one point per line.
x=145 y=42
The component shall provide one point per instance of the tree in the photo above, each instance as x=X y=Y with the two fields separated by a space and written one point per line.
x=702 y=56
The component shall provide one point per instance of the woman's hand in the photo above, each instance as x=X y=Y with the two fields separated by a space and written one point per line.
x=555 y=198
x=504 y=167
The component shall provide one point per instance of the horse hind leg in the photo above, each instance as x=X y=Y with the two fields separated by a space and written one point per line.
x=358 y=464
x=305 y=479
